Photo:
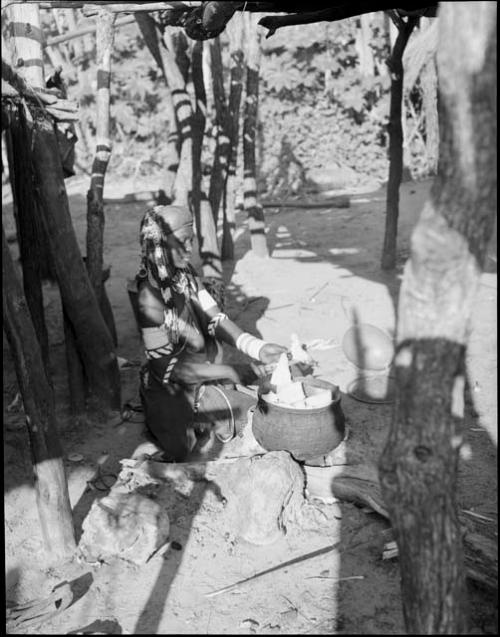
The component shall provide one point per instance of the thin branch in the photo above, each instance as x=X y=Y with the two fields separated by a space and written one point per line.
x=332 y=14
x=134 y=5
x=396 y=19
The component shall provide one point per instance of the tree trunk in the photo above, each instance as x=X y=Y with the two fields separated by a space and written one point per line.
x=51 y=488
x=254 y=211
x=395 y=64
x=418 y=467
x=149 y=32
x=93 y=338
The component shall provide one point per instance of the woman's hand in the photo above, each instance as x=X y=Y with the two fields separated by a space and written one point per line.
x=271 y=352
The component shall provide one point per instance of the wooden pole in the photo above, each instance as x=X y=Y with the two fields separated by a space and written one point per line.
x=205 y=225
x=95 y=204
x=198 y=123
x=90 y=8
x=95 y=201
x=25 y=48
x=149 y=32
x=220 y=162
x=96 y=349
x=187 y=132
x=395 y=142
x=25 y=211
x=77 y=384
x=26 y=43
x=254 y=211
x=418 y=467
x=183 y=113
x=93 y=338
x=51 y=487
x=428 y=82
x=83 y=31
x=32 y=237
x=363 y=48
x=237 y=75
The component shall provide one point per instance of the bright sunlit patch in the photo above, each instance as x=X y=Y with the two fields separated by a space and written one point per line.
x=465 y=452
x=339 y=251
x=403 y=358
x=292 y=254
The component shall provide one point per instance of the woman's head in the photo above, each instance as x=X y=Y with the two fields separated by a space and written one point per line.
x=166 y=237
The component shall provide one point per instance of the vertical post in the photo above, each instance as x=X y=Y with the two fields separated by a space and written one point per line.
x=93 y=338
x=95 y=345
x=25 y=47
x=76 y=377
x=59 y=55
x=205 y=225
x=419 y=464
x=198 y=123
x=183 y=113
x=395 y=64
x=237 y=73
x=254 y=210
x=26 y=43
x=219 y=166
x=149 y=32
x=95 y=203
x=363 y=48
x=51 y=487
x=29 y=227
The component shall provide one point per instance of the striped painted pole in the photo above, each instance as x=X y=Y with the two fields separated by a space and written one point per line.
x=26 y=41
x=251 y=205
x=95 y=204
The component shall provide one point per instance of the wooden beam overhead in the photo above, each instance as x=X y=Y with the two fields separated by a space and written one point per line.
x=91 y=28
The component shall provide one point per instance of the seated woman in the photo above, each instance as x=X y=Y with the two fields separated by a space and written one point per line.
x=185 y=387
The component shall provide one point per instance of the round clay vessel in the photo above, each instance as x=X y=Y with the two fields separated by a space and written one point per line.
x=304 y=433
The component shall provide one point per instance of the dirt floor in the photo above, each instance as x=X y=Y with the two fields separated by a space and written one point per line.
x=324 y=264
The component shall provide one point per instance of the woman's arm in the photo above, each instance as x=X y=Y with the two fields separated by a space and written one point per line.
x=165 y=359
x=152 y=315
x=190 y=372
x=221 y=326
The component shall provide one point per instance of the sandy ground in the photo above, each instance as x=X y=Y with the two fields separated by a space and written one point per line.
x=324 y=263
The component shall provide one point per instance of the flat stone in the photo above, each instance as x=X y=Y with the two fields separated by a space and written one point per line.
x=130 y=526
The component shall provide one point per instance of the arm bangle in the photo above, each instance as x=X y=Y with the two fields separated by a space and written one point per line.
x=250 y=345
x=215 y=322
